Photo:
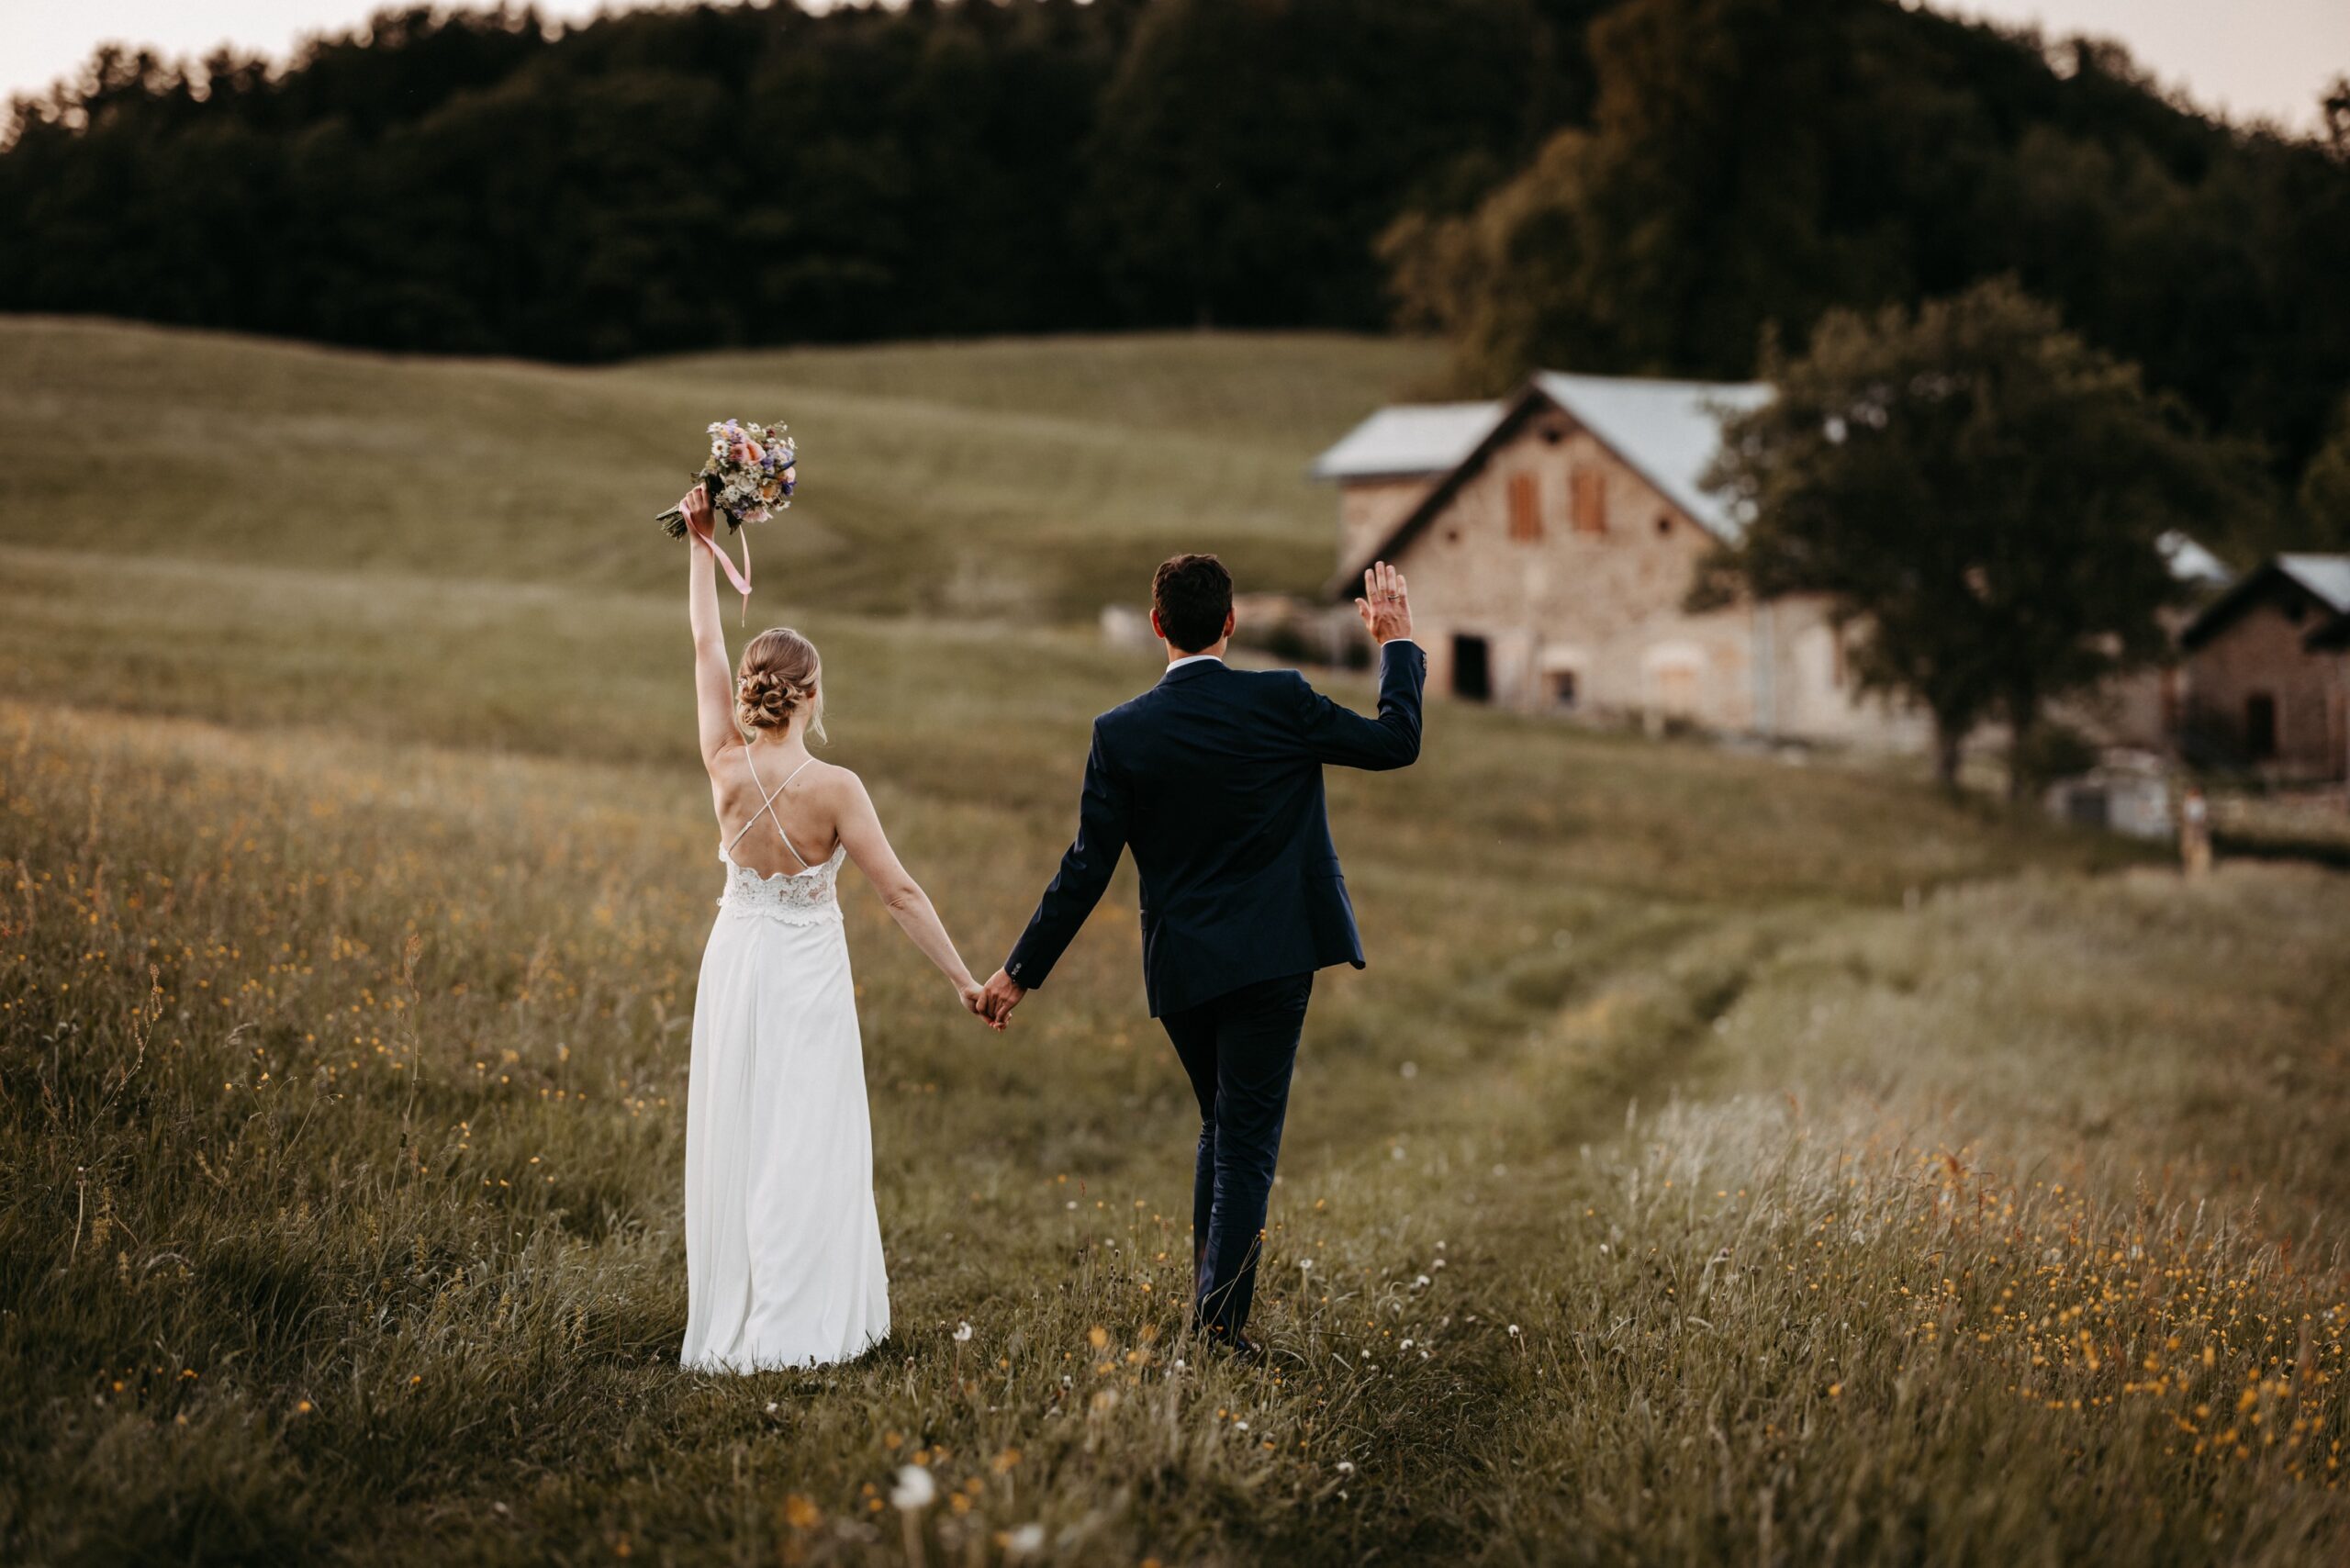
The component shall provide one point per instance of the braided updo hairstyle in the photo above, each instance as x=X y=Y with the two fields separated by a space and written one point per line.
x=779 y=675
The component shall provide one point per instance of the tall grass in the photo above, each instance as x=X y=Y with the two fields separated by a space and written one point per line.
x=342 y=1108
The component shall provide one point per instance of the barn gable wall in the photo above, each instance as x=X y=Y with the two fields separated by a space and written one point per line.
x=1600 y=611
x=2262 y=652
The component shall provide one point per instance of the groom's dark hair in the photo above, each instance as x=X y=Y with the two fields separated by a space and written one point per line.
x=1193 y=595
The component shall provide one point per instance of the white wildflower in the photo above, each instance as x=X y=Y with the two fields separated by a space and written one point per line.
x=914 y=1490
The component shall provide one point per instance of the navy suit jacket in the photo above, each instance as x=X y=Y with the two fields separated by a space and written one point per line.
x=1213 y=778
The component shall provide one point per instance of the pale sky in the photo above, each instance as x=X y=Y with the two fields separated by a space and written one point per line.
x=2271 y=58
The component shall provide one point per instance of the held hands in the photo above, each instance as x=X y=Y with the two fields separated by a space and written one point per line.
x=999 y=997
x=1385 y=605
x=974 y=996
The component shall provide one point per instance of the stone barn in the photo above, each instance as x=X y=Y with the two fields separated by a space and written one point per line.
x=1552 y=539
x=2266 y=670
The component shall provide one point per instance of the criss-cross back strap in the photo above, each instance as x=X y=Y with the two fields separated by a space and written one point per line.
x=767 y=808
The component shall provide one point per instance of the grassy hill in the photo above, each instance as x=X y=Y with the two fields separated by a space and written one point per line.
x=1002 y=479
x=1720 y=1160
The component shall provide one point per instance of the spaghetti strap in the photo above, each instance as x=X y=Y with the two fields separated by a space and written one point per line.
x=767 y=807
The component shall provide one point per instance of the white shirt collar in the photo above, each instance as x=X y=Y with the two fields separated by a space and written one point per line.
x=1193 y=659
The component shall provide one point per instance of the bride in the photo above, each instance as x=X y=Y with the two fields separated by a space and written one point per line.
x=783 y=1248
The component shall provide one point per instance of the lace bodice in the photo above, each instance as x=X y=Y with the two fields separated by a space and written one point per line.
x=795 y=897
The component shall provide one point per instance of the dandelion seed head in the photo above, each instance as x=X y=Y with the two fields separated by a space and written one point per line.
x=914 y=1489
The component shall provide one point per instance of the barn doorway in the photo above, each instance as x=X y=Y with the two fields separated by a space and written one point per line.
x=1472 y=669
x=2260 y=726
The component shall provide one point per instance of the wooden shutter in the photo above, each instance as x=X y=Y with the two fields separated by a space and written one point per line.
x=1590 y=500
x=1524 y=507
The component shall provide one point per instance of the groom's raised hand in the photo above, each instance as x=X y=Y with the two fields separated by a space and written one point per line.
x=999 y=996
x=1385 y=605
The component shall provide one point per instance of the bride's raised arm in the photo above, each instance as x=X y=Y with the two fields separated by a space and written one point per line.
x=869 y=847
x=713 y=677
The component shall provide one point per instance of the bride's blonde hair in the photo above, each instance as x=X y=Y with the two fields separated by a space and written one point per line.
x=780 y=674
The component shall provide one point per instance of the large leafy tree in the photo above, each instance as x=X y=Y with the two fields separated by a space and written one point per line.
x=1981 y=496
x=1702 y=201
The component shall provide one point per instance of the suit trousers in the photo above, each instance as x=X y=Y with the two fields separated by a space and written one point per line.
x=1239 y=1049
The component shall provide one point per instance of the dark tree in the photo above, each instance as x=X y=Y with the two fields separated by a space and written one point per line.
x=1250 y=149
x=1980 y=495
x=2326 y=490
x=466 y=180
x=1629 y=185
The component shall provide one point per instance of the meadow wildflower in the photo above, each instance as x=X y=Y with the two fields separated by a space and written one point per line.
x=914 y=1490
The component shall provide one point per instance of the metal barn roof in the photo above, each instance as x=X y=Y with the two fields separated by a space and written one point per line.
x=2325 y=579
x=2190 y=563
x=1668 y=430
x=2328 y=576
x=1408 y=440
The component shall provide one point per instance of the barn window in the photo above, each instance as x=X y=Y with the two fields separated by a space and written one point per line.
x=1524 y=507
x=1590 y=501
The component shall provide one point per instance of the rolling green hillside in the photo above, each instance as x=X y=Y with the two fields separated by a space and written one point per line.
x=1006 y=480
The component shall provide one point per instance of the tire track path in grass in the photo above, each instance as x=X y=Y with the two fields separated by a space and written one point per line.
x=1565 y=1046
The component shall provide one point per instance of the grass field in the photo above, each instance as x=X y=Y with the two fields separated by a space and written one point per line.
x=1721 y=1161
x=1000 y=480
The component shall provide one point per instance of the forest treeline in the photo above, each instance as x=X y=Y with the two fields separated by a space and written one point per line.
x=1629 y=185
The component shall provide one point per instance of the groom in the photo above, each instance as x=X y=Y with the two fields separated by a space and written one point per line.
x=1214 y=777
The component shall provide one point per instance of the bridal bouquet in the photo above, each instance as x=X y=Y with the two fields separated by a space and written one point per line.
x=748 y=476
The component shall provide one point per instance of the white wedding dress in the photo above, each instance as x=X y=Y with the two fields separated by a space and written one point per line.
x=783 y=1245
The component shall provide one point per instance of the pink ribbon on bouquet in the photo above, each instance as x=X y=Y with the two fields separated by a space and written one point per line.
x=742 y=580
